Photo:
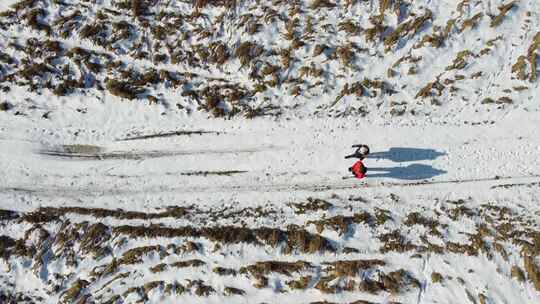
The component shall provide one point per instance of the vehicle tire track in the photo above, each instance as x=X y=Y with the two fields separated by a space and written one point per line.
x=137 y=155
x=51 y=190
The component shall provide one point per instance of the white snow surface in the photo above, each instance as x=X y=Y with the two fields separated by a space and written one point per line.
x=459 y=181
x=285 y=160
x=277 y=156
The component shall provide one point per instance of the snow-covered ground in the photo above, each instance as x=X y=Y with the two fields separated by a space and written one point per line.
x=180 y=152
x=269 y=157
x=250 y=174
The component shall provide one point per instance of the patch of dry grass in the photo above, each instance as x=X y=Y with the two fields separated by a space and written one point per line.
x=411 y=27
x=342 y=223
x=503 y=10
x=75 y=291
x=264 y=268
x=318 y=4
x=247 y=51
x=471 y=22
x=123 y=89
x=427 y=91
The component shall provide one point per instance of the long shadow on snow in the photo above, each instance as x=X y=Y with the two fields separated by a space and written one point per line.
x=410 y=172
x=399 y=154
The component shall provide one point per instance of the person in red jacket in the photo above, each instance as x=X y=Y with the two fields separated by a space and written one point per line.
x=358 y=169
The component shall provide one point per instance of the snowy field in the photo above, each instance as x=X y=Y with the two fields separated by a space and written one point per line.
x=113 y=165
x=193 y=152
x=434 y=206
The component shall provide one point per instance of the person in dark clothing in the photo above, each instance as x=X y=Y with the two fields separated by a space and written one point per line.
x=361 y=152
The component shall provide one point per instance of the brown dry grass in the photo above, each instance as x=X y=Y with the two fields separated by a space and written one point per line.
x=312 y=205
x=416 y=218
x=317 y=4
x=219 y=53
x=74 y=292
x=427 y=91
x=373 y=32
x=342 y=223
x=34 y=19
x=303 y=241
x=532 y=270
x=517 y=273
x=351 y=268
x=395 y=242
x=436 y=277
x=94 y=240
x=411 y=27
x=319 y=49
x=229 y=291
x=135 y=255
x=471 y=22
x=247 y=51
x=290 y=29
x=188 y=263
x=200 y=288
x=434 y=40
x=293 y=238
x=503 y=10
x=177 y=288
x=384 y=5
x=460 y=61
x=532 y=57
x=222 y=271
x=123 y=89
x=345 y=54
x=301 y=283
x=139 y=7
x=350 y=27
x=264 y=268
x=171 y=211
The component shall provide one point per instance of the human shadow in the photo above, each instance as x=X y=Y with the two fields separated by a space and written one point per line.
x=399 y=154
x=410 y=172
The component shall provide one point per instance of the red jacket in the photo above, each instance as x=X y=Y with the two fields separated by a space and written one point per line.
x=358 y=169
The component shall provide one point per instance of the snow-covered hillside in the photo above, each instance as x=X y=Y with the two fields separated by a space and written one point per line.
x=387 y=58
x=167 y=151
